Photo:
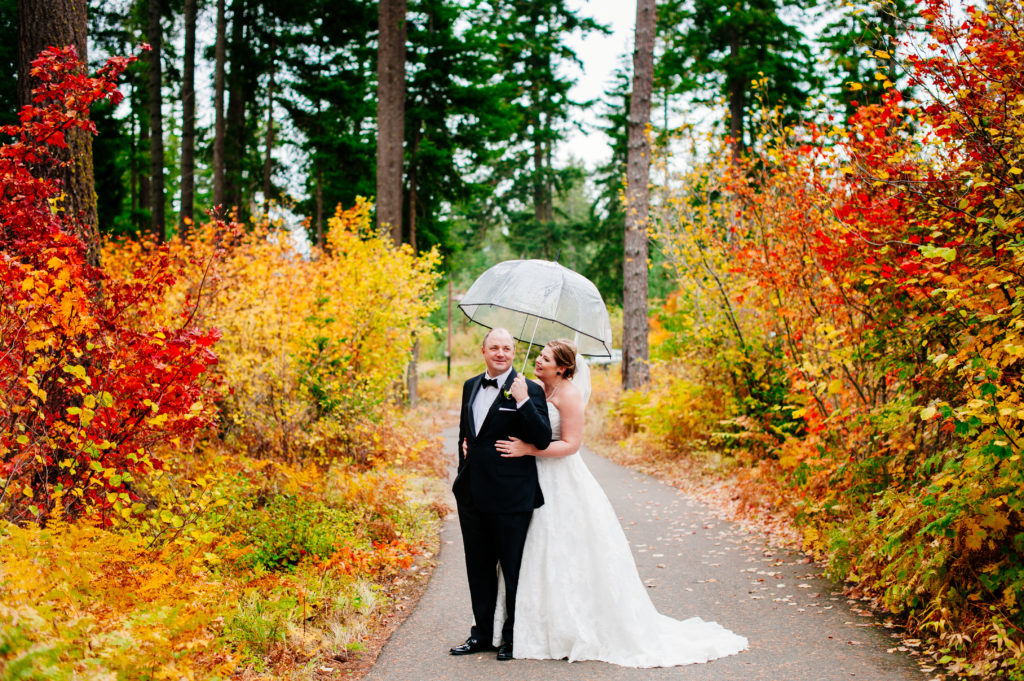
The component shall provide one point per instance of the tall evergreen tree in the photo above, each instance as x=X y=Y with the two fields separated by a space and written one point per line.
x=219 y=121
x=188 y=128
x=455 y=117
x=9 y=62
x=531 y=39
x=722 y=46
x=330 y=99
x=122 y=146
x=605 y=267
x=154 y=32
x=861 y=43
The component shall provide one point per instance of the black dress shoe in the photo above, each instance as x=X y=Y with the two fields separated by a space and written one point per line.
x=505 y=652
x=472 y=645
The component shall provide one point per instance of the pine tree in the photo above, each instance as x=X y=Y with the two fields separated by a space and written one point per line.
x=862 y=43
x=722 y=46
x=330 y=98
x=154 y=32
x=220 y=121
x=188 y=106
x=8 y=62
x=530 y=36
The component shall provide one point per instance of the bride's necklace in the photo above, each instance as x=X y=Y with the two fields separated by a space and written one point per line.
x=549 y=395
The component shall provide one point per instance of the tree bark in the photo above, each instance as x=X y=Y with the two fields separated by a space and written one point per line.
x=538 y=174
x=41 y=24
x=318 y=164
x=635 y=350
x=156 y=124
x=218 y=106
x=188 y=123
x=142 y=149
x=268 y=161
x=737 y=103
x=413 y=180
x=390 y=115
x=235 y=133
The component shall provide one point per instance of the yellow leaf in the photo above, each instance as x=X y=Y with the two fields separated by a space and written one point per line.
x=975 y=536
x=997 y=521
x=928 y=413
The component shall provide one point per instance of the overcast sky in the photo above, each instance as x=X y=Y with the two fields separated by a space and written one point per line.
x=600 y=55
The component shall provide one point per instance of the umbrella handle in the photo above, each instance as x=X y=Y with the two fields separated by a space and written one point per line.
x=536 y=323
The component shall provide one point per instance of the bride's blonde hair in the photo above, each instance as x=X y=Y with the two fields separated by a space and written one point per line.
x=564 y=353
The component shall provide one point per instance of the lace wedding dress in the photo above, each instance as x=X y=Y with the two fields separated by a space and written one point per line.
x=580 y=596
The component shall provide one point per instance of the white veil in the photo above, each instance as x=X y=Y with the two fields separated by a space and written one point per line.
x=581 y=378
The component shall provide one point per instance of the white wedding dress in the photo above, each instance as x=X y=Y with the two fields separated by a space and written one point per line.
x=580 y=596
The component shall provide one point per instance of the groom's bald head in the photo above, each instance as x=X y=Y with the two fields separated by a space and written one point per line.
x=498 y=350
x=496 y=333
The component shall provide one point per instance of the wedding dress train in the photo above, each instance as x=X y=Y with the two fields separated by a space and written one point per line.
x=580 y=596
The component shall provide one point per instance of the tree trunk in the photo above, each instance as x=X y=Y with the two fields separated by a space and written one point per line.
x=268 y=160
x=156 y=124
x=390 y=115
x=188 y=123
x=235 y=133
x=635 y=351
x=549 y=184
x=319 y=202
x=133 y=158
x=218 y=106
x=737 y=103
x=413 y=180
x=538 y=171
x=412 y=382
x=42 y=23
x=145 y=195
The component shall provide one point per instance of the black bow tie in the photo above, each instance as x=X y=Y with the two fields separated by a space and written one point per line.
x=493 y=382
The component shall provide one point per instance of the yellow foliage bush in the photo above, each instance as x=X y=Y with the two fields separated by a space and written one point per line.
x=673 y=412
x=80 y=602
x=309 y=346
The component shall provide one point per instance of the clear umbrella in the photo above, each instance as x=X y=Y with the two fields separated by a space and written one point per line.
x=539 y=301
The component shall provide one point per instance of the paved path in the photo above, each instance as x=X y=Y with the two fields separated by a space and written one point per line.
x=799 y=626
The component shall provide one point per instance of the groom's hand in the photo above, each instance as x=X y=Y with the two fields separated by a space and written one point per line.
x=518 y=389
x=465 y=448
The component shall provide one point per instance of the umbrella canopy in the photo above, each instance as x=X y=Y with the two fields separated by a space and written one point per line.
x=539 y=301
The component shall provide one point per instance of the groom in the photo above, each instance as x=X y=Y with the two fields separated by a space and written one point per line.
x=496 y=496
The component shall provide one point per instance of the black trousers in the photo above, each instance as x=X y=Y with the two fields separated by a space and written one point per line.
x=492 y=539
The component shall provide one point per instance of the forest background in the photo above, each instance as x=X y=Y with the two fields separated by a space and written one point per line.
x=209 y=466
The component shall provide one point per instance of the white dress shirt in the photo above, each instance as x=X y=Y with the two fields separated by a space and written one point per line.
x=485 y=398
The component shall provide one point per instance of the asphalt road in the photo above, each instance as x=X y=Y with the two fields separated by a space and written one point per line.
x=799 y=625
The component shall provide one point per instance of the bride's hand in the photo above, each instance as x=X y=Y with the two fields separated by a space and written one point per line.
x=518 y=389
x=512 y=448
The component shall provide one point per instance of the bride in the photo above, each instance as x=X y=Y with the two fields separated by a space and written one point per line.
x=580 y=596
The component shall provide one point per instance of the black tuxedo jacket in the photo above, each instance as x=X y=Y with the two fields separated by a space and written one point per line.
x=493 y=483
